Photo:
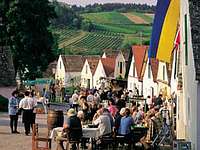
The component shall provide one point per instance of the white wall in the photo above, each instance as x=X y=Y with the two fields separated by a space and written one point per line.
x=148 y=83
x=173 y=82
x=60 y=70
x=100 y=72
x=189 y=101
x=133 y=80
x=120 y=58
x=76 y=76
x=163 y=86
x=85 y=75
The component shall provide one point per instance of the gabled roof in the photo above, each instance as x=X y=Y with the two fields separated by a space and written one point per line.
x=109 y=65
x=140 y=56
x=194 y=17
x=73 y=63
x=93 y=62
x=154 y=68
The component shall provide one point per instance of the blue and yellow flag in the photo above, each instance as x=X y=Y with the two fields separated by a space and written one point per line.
x=164 y=29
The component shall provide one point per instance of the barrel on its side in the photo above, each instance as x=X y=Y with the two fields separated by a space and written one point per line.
x=55 y=119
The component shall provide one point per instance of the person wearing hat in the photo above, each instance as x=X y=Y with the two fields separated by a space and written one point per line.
x=73 y=125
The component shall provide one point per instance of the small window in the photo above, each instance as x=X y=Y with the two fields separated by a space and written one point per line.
x=134 y=69
x=60 y=65
x=86 y=70
x=149 y=71
x=163 y=72
x=120 y=68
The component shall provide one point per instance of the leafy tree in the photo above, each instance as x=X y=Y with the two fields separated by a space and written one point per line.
x=30 y=39
x=87 y=25
x=66 y=16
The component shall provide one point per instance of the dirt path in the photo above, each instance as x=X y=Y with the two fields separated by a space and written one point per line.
x=135 y=19
x=19 y=141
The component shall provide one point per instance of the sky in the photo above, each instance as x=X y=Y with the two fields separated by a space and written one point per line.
x=86 y=2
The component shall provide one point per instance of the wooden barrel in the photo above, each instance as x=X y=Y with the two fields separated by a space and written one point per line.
x=55 y=119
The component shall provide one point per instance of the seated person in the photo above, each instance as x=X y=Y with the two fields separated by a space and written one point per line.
x=73 y=129
x=103 y=122
x=125 y=126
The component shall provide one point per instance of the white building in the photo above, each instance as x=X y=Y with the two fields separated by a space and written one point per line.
x=88 y=71
x=68 y=70
x=137 y=67
x=150 y=86
x=110 y=66
x=188 y=112
x=163 y=78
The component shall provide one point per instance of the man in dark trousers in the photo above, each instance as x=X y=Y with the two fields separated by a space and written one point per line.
x=27 y=105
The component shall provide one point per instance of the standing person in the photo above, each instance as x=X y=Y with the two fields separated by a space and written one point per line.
x=27 y=105
x=33 y=96
x=75 y=100
x=13 y=111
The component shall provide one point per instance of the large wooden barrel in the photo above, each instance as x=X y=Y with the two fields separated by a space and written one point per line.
x=55 y=119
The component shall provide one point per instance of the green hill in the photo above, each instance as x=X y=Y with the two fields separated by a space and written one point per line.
x=107 y=18
x=112 y=30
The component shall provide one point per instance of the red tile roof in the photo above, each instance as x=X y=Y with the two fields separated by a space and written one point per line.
x=73 y=63
x=109 y=65
x=154 y=67
x=93 y=62
x=140 y=55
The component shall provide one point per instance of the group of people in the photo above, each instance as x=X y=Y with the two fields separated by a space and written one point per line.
x=113 y=116
x=25 y=104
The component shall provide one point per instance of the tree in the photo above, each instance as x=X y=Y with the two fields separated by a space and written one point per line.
x=30 y=39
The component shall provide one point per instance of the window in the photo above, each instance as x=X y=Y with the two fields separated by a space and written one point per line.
x=60 y=65
x=120 y=67
x=186 y=41
x=86 y=70
x=163 y=72
x=149 y=71
x=134 y=69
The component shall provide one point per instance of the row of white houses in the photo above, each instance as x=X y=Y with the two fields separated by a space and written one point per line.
x=181 y=76
x=150 y=76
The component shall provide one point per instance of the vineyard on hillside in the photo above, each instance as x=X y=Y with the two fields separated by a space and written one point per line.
x=112 y=30
x=98 y=41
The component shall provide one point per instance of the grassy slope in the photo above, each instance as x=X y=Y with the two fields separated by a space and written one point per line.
x=107 y=18
x=147 y=18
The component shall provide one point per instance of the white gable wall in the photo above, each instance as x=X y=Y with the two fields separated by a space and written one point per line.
x=120 y=62
x=173 y=81
x=60 y=70
x=100 y=72
x=162 y=79
x=149 y=86
x=133 y=79
x=86 y=76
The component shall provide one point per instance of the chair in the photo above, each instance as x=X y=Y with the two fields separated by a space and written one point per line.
x=36 y=139
x=72 y=137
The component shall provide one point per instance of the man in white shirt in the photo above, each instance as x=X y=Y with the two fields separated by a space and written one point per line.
x=27 y=105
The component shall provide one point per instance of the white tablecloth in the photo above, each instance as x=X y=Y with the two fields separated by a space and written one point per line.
x=87 y=132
